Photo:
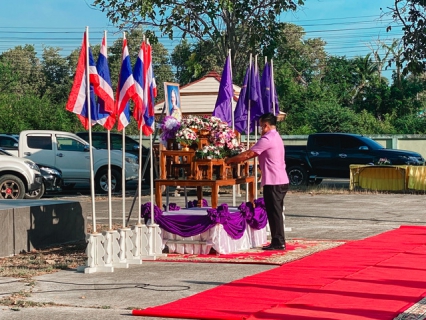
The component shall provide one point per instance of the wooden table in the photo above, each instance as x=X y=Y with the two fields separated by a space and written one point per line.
x=166 y=165
x=210 y=165
x=214 y=184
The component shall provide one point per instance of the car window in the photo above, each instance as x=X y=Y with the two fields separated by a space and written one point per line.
x=40 y=142
x=130 y=144
x=69 y=144
x=351 y=143
x=325 y=141
x=99 y=141
x=116 y=142
x=8 y=143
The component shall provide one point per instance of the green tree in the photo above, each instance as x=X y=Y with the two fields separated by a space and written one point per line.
x=194 y=61
x=411 y=15
x=306 y=57
x=27 y=69
x=228 y=23
x=58 y=75
x=28 y=111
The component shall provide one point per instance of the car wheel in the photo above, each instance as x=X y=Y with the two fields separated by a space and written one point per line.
x=297 y=176
x=11 y=187
x=36 y=194
x=101 y=181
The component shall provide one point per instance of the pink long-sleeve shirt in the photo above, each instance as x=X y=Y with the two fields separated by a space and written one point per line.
x=270 y=149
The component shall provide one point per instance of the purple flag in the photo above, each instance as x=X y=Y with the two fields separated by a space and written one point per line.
x=241 y=110
x=256 y=105
x=223 y=107
x=268 y=90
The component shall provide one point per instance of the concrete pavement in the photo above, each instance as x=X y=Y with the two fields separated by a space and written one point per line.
x=112 y=295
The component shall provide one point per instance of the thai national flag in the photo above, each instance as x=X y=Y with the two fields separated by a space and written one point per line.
x=77 y=100
x=125 y=89
x=139 y=98
x=151 y=92
x=105 y=107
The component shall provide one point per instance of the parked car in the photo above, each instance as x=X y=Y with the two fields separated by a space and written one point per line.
x=52 y=180
x=329 y=155
x=17 y=176
x=100 y=139
x=70 y=153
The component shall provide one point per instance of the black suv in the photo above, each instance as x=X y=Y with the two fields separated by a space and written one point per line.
x=99 y=141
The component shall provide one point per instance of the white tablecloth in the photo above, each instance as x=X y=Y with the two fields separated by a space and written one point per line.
x=216 y=238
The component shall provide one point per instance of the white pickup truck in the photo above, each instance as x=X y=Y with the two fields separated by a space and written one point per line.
x=70 y=153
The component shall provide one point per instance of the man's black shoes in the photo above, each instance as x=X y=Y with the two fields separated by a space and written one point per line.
x=274 y=247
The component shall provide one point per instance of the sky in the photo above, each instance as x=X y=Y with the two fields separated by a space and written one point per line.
x=348 y=26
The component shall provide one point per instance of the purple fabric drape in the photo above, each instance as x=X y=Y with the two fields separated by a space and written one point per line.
x=172 y=207
x=193 y=204
x=234 y=223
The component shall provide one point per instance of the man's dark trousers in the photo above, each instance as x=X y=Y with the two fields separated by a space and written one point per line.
x=274 y=202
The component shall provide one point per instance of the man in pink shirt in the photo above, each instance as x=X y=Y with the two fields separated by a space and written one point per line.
x=270 y=150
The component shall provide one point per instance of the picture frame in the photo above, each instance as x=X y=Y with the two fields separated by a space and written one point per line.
x=172 y=100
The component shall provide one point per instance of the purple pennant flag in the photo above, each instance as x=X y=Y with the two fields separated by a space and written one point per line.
x=265 y=85
x=223 y=107
x=269 y=92
x=256 y=105
x=241 y=109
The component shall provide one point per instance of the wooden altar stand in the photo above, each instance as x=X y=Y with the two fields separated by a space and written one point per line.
x=199 y=184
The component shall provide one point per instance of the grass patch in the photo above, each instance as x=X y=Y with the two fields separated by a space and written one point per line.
x=37 y=262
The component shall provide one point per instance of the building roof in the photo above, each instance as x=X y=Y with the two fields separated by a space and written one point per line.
x=199 y=97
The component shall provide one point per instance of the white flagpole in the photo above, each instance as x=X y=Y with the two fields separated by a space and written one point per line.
x=273 y=88
x=92 y=175
x=140 y=175
x=109 y=161
x=255 y=139
x=151 y=169
x=248 y=115
x=140 y=152
x=123 y=175
x=234 y=187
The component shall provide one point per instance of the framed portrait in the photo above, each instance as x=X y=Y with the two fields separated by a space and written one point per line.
x=172 y=99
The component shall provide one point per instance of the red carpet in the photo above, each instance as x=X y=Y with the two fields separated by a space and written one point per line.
x=375 y=278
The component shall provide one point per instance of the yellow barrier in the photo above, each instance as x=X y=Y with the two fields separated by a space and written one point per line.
x=416 y=178
x=385 y=178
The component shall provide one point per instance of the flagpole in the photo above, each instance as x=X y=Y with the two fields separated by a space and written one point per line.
x=92 y=177
x=248 y=115
x=123 y=175
x=150 y=136
x=109 y=164
x=140 y=124
x=273 y=88
x=255 y=139
x=234 y=187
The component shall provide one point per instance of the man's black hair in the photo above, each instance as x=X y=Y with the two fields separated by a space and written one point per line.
x=269 y=118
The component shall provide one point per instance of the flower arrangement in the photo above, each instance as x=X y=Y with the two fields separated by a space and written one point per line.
x=186 y=136
x=222 y=139
x=194 y=122
x=210 y=152
x=236 y=150
x=169 y=127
